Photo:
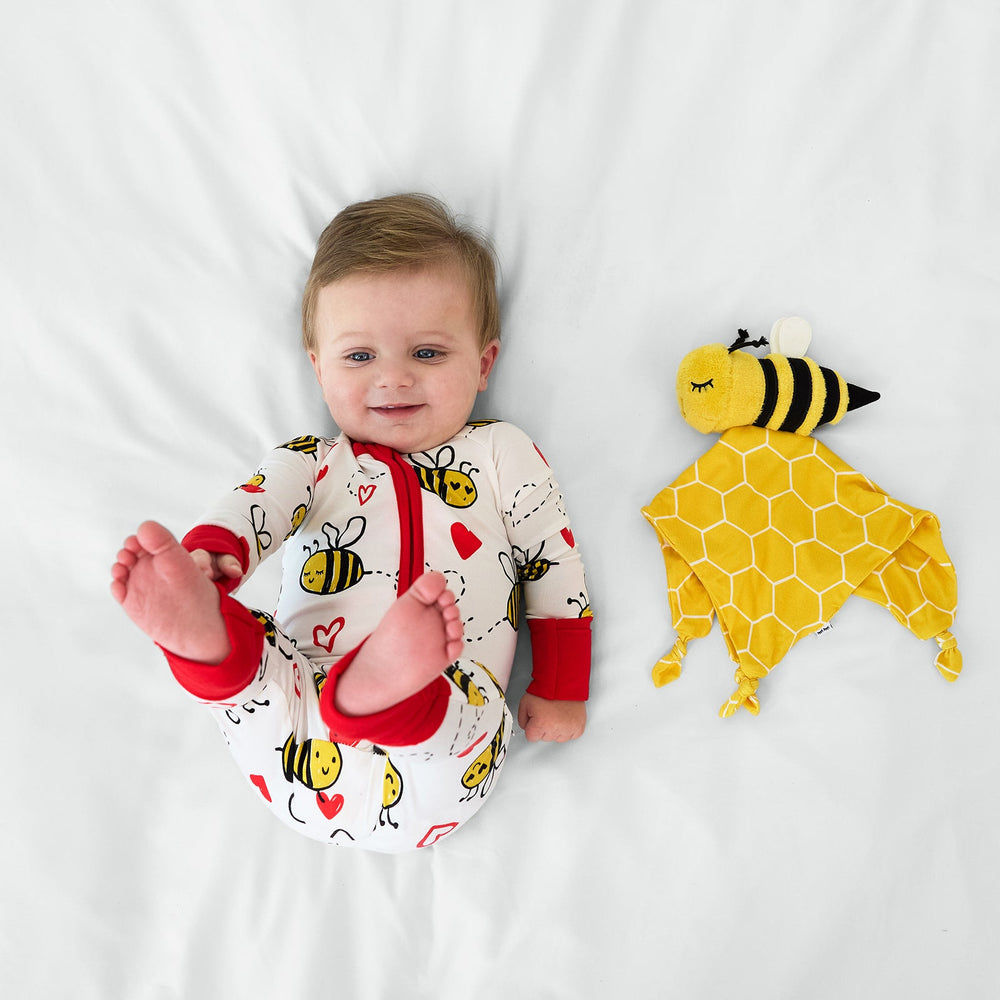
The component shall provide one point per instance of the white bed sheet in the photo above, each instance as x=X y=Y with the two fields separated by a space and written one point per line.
x=656 y=175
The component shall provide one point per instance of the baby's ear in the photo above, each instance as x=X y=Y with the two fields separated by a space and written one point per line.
x=314 y=361
x=486 y=362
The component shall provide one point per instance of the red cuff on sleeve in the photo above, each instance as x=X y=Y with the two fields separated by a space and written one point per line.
x=410 y=722
x=560 y=655
x=212 y=538
x=217 y=682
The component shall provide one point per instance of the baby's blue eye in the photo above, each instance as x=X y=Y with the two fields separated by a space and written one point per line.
x=425 y=354
x=359 y=356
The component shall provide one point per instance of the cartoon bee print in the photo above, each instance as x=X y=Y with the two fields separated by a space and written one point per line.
x=582 y=604
x=255 y=484
x=316 y=763
x=337 y=567
x=473 y=693
x=479 y=776
x=514 y=601
x=299 y=514
x=268 y=622
x=454 y=486
x=306 y=444
x=720 y=387
x=392 y=789
x=530 y=567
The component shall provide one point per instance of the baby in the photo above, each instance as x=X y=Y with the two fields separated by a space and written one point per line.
x=369 y=710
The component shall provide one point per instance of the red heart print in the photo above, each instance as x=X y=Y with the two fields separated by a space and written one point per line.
x=472 y=746
x=325 y=636
x=435 y=833
x=365 y=493
x=568 y=536
x=322 y=473
x=258 y=780
x=466 y=543
x=329 y=806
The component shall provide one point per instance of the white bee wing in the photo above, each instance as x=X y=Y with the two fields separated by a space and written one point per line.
x=791 y=337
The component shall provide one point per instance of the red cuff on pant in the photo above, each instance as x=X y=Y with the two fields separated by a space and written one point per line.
x=412 y=721
x=216 y=682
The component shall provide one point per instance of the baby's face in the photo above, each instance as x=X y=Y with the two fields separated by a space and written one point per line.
x=398 y=357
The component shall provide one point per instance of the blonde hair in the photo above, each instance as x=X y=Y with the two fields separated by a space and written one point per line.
x=397 y=232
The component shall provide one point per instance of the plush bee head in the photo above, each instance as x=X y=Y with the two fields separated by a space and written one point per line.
x=720 y=387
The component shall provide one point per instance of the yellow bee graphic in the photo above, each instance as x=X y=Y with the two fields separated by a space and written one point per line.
x=337 y=567
x=454 y=486
x=268 y=622
x=514 y=601
x=392 y=789
x=720 y=387
x=583 y=604
x=531 y=567
x=316 y=763
x=255 y=484
x=479 y=775
x=305 y=443
x=299 y=514
x=473 y=693
x=481 y=423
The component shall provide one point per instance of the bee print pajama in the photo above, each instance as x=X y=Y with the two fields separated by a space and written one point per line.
x=357 y=524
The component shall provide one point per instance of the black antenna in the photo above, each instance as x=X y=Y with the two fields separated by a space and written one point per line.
x=743 y=340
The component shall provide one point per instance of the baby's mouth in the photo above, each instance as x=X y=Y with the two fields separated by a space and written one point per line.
x=397 y=409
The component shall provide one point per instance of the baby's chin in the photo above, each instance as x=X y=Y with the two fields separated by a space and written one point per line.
x=408 y=440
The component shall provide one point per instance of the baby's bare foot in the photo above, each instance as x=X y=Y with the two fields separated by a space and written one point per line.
x=164 y=592
x=417 y=638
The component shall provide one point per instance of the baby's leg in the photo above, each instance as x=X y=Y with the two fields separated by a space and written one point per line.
x=418 y=637
x=162 y=590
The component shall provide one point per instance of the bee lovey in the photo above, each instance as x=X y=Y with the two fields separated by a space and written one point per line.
x=720 y=387
x=771 y=532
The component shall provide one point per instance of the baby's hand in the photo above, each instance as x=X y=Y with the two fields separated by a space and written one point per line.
x=217 y=566
x=556 y=721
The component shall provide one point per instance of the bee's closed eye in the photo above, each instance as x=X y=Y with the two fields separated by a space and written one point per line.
x=702 y=386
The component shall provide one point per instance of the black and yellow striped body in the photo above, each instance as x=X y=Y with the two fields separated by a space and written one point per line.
x=329 y=571
x=306 y=444
x=465 y=684
x=799 y=395
x=316 y=763
x=455 y=488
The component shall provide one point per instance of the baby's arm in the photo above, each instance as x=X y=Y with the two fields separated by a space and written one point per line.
x=556 y=604
x=250 y=523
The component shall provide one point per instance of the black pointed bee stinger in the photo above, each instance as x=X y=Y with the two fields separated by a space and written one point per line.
x=857 y=396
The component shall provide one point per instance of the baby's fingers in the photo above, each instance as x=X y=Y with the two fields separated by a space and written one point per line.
x=229 y=566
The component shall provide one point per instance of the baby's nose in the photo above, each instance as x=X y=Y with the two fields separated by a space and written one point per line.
x=392 y=374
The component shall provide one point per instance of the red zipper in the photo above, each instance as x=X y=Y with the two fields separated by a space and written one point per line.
x=409 y=505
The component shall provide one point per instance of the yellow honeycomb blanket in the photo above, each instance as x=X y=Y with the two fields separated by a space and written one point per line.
x=772 y=532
